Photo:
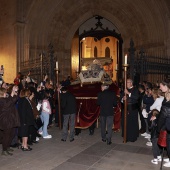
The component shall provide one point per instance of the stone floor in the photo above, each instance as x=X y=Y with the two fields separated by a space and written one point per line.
x=85 y=153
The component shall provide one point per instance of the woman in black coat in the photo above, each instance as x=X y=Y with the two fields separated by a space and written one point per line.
x=26 y=117
x=9 y=118
x=164 y=115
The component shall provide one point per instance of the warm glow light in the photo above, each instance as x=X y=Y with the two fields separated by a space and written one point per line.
x=56 y=64
x=83 y=68
x=83 y=39
x=126 y=59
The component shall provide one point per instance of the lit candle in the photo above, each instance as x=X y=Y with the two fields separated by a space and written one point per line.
x=56 y=65
x=126 y=59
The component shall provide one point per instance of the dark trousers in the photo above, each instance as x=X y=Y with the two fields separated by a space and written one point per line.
x=8 y=135
x=155 y=148
x=68 y=119
x=106 y=121
x=92 y=127
x=51 y=119
x=15 y=137
x=32 y=133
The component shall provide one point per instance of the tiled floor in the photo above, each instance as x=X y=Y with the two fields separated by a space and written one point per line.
x=85 y=153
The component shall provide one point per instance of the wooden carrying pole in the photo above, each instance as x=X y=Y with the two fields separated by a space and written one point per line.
x=125 y=105
x=58 y=92
x=41 y=59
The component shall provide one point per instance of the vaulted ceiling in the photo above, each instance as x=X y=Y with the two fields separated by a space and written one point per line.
x=30 y=25
x=57 y=21
x=147 y=22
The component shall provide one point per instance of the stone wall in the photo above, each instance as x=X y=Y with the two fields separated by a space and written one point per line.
x=28 y=26
x=8 y=39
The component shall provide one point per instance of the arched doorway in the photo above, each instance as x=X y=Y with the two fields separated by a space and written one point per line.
x=97 y=38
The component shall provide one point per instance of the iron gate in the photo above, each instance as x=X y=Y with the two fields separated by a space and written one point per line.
x=143 y=67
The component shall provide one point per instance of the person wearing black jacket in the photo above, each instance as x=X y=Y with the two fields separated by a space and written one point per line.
x=107 y=101
x=68 y=107
x=25 y=111
x=154 y=136
x=9 y=118
x=164 y=116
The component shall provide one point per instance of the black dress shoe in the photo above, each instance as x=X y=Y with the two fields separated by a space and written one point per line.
x=103 y=140
x=26 y=149
x=29 y=143
x=109 y=143
x=142 y=131
x=91 y=132
x=38 y=135
x=34 y=141
x=63 y=140
x=72 y=140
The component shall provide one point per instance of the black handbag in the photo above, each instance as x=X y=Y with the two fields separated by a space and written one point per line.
x=38 y=123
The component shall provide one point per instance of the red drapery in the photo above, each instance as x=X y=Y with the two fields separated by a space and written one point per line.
x=87 y=109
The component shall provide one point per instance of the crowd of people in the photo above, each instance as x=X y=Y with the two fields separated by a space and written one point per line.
x=28 y=109
x=152 y=104
x=26 y=113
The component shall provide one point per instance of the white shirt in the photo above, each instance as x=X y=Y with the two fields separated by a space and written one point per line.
x=46 y=106
x=157 y=104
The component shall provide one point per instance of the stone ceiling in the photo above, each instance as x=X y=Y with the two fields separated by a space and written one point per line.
x=56 y=21
x=31 y=25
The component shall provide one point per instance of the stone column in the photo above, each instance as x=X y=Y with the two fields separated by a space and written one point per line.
x=19 y=32
x=168 y=39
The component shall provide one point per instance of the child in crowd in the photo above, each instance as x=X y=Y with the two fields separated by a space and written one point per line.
x=45 y=113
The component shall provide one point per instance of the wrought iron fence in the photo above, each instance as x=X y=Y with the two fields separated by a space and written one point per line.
x=145 y=67
x=40 y=66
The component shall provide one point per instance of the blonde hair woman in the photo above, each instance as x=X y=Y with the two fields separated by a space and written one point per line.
x=155 y=109
x=164 y=116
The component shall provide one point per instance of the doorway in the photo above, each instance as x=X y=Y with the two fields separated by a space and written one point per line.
x=97 y=38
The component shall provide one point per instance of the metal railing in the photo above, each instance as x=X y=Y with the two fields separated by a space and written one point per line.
x=146 y=67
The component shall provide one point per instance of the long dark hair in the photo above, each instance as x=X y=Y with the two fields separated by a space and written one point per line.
x=46 y=94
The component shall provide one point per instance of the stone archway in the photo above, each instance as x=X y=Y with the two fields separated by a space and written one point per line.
x=73 y=38
x=60 y=21
x=95 y=32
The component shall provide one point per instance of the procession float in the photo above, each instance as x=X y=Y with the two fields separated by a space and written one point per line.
x=86 y=88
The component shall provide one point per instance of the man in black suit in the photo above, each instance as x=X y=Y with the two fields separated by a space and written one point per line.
x=68 y=106
x=107 y=101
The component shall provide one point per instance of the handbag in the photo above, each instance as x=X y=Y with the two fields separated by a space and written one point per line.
x=38 y=123
x=162 y=138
